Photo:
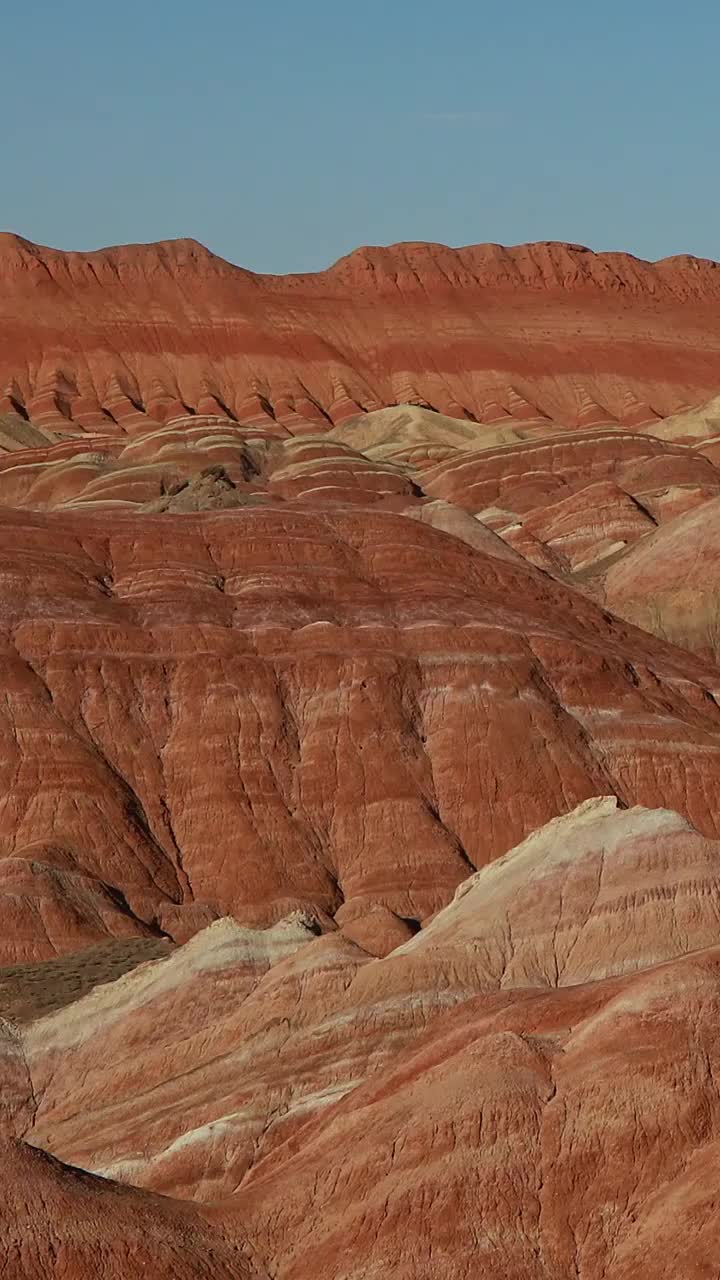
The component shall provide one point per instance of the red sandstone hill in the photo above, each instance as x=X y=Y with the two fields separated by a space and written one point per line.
x=359 y=766
x=547 y=329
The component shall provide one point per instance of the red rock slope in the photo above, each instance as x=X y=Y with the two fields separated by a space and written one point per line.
x=359 y=870
x=120 y=337
x=261 y=710
x=534 y=1069
x=61 y=1222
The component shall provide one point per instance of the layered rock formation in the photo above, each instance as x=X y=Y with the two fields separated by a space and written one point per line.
x=60 y=1221
x=359 y=833
x=544 y=1048
x=121 y=337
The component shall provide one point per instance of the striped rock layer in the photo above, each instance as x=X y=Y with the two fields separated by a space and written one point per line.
x=359 y=766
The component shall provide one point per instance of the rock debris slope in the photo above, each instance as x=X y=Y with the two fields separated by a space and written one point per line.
x=256 y=711
x=359 y=766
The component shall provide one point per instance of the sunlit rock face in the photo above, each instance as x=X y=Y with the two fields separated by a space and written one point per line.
x=359 y=766
x=114 y=340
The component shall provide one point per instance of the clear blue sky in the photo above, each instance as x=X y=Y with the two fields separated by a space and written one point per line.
x=284 y=133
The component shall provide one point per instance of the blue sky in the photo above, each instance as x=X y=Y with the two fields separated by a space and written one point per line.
x=282 y=134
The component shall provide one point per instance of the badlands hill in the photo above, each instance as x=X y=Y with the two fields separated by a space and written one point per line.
x=545 y=330
x=359 y=766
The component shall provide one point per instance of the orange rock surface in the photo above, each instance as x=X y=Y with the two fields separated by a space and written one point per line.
x=114 y=338
x=359 y=766
x=533 y=1067
x=60 y=1221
